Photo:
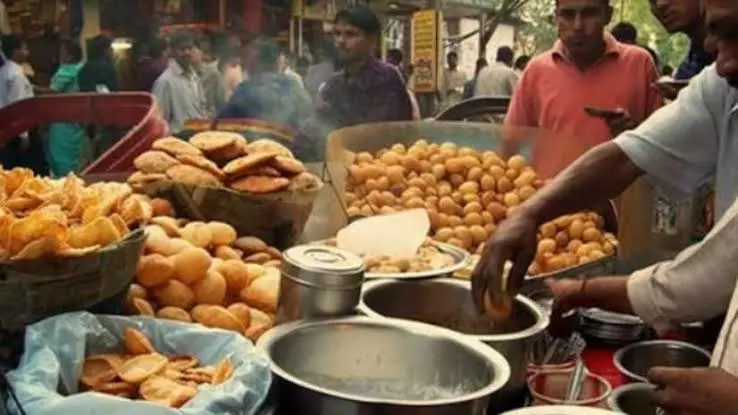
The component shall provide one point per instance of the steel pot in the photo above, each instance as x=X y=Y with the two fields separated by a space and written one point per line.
x=365 y=366
x=634 y=361
x=633 y=399
x=448 y=303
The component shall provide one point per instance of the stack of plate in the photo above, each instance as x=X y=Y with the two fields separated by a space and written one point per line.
x=611 y=328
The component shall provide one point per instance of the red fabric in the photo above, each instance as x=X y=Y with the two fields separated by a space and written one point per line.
x=252 y=15
x=599 y=362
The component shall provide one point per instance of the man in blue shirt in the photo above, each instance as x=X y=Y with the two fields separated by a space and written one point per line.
x=685 y=16
x=269 y=95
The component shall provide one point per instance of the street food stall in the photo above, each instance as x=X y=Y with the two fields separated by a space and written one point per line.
x=350 y=277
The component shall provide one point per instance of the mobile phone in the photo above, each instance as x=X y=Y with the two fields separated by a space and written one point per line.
x=603 y=113
x=676 y=84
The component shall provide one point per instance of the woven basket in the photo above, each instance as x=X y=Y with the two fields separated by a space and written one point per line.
x=277 y=218
x=33 y=290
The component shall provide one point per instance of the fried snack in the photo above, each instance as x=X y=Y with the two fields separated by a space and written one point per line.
x=222 y=233
x=142 y=367
x=260 y=184
x=174 y=294
x=268 y=146
x=142 y=307
x=162 y=207
x=260 y=323
x=497 y=311
x=194 y=176
x=241 y=166
x=175 y=147
x=202 y=163
x=174 y=313
x=250 y=244
x=154 y=270
x=166 y=392
x=262 y=293
x=145 y=374
x=237 y=275
x=136 y=342
x=139 y=178
x=211 y=290
x=213 y=141
x=217 y=316
x=288 y=165
x=191 y=264
x=154 y=162
x=242 y=312
x=304 y=182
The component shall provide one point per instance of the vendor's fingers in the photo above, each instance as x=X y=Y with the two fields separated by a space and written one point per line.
x=519 y=269
x=487 y=276
x=664 y=376
x=667 y=399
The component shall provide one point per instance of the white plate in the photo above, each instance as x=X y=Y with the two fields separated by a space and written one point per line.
x=460 y=256
x=560 y=410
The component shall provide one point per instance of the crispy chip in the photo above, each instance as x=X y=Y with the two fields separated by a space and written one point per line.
x=37 y=249
x=164 y=391
x=36 y=226
x=102 y=231
x=223 y=371
x=120 y=223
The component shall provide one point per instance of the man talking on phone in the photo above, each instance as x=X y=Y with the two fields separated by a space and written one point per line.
x=692 y=139
x=587 y=68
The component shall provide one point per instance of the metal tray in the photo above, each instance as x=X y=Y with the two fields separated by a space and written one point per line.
x=461 y=256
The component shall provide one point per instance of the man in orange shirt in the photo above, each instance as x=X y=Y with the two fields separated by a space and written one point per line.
x=586 y=89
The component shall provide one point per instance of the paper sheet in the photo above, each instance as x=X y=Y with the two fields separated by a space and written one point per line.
x=397 y=234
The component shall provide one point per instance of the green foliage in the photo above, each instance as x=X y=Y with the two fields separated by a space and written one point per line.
x=538 y=32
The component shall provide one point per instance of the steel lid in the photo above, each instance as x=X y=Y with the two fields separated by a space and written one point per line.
x=323 y=265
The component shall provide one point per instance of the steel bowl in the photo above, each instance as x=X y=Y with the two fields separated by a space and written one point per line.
x=633 y=399
x=634 y=361
x=447 y=303
x=361 y=365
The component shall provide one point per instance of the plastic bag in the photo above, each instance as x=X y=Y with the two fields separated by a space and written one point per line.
x=46 y=381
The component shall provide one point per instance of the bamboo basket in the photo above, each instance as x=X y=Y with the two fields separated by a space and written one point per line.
x=33 y=290
x=278 y=218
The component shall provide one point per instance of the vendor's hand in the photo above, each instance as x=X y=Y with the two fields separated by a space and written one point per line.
x=699 y=391
x=566 y=295
x=514 y=240
x=621 y=122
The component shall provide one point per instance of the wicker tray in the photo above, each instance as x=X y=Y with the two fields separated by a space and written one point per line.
x=278 y=218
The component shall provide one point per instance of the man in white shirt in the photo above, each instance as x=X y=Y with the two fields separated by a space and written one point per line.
x=178 y=90
x=499 y=78
x=685 y=143
x=453 y=81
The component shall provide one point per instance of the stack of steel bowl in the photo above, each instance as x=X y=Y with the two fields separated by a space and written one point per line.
x=610 y=328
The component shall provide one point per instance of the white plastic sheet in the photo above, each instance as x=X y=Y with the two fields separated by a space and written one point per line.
x=46 y=381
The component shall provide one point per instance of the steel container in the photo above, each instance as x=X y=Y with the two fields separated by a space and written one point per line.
x=634 y=399
x=634 y=361
x=448 y=303
x=317 y=282
x=369 y=366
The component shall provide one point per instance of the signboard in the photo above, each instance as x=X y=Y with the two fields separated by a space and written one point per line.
x=476 y=4
x=425 y=50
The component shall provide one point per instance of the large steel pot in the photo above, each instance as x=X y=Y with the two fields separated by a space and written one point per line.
x=448 y=303
x=365 y=366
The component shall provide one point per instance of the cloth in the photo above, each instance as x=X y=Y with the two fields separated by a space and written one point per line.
x=14 y=85
x=65 y=140
x=4 y=21
x=149 y=70
x=180 y=96
x=377 y=93
x=414 y=104
x=317 y=75
x=496 y=79
x=697 y=59
x=698 y=285
x=272 y=97
x=691 y=141
x=453 y=85
x=213 y=85
x=553 y=92
x=98 y=73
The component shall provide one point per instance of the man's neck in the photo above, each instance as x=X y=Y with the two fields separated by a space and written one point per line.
x=354 y=68
x=586 y=61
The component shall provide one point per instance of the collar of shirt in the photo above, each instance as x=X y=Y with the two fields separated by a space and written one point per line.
x=363 y=76
x=612 y=49
x=178 y=70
